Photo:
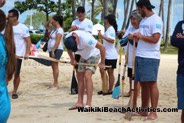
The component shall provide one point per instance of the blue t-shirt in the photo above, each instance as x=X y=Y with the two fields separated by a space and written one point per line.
x=4 y=97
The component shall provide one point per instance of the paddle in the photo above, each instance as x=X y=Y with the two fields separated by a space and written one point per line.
x=124 y=71
x=40 y=60
x=84 y=64
x=128 y=115
x=74 y=84
x=116 y=91
x=105 y=76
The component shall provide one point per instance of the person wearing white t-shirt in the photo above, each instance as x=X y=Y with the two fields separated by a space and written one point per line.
x=81 y=23
x=90 y=51
x=109 y=40
x=22 y=44
x=55 y=47
x=148 y=56
x=135 y=19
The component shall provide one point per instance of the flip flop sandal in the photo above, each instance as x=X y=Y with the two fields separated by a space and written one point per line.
x=100 y=92
x=108 y=93
x=15 y=96
x=126 y=95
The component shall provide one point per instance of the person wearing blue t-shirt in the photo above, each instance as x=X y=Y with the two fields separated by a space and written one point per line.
x=7 y=65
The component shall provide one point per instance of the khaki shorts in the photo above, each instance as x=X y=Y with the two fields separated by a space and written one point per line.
x=91 y=60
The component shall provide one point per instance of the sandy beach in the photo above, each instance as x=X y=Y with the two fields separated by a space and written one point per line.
x=39 y=104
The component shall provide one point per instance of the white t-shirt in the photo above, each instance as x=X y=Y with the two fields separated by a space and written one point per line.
x=52 y=39
x=85 y=25
x=86 y=45
x=110 y=49
x=148 y=27
x=130 y=30
x=20 y=32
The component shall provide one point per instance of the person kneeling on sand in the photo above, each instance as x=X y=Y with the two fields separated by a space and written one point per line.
x=90 y=51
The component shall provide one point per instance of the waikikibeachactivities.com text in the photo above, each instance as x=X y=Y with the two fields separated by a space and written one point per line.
x=108 y=109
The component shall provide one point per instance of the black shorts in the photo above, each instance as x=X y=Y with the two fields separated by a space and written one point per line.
x=18 y=66
x=111 y=62
x=77 y=58
x=129 y=73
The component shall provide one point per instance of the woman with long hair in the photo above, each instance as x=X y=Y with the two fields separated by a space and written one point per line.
x=109 y=40
x=7 y=65
x=55 y=46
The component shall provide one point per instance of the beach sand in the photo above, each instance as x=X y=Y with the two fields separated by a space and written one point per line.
x=38 y=104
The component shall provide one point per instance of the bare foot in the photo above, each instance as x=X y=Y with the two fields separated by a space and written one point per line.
x=151 y=116
x=53 y=86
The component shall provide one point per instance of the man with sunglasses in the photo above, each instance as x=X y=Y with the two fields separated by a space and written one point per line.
x=177 y=40
x=22 y=44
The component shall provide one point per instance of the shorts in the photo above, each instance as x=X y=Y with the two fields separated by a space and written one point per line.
x=180 y=91
x=91 y=60
x=129 y=73
x=77 y=58
x=58 y=53
x=146 y=69
x=18 y=66
x=111 y=62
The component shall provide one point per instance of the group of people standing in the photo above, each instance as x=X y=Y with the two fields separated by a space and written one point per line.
x=145 y=29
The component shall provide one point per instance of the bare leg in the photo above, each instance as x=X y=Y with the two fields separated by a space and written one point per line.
x=89 y=85
x=16 y=83
x=145 y=97
x=182 y=117
x=135 y=95
x=55 y=69
x=138 y=89
x=80 y=77
x=154 y=93
x=111 y=78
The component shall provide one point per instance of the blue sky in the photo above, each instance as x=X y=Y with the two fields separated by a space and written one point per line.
x=177 y=11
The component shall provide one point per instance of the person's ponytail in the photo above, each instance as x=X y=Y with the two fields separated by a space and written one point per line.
x=10 y=46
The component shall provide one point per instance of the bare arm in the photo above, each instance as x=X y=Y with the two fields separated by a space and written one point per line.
x=47 y=25
x=102 y=51
x=28 y=47
x=58 y=39
x=72 y=58
x=150 y=39
x=73 y=28
x=105 y=38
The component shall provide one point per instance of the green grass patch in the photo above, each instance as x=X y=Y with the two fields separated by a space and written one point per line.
x=170 y=50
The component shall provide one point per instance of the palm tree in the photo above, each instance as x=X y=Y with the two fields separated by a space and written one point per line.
x=59 y=7
x=131 y=8
x=168 y=25
x=92 y=10
x=73 y=9
x=126 y=8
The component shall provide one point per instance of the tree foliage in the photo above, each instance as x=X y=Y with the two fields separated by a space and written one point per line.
x=38 y=19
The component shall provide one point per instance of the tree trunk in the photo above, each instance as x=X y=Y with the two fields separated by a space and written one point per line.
x=168 y=26
x=163 y=20
x=127 y=2
x=83 y=2
x=131 y=8
x=105 y=10
x=92 y=10
x=59 y=8
x=73 y=9
x=115 y=7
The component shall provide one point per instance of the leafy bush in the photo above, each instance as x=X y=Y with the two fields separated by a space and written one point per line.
x=35 y=38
